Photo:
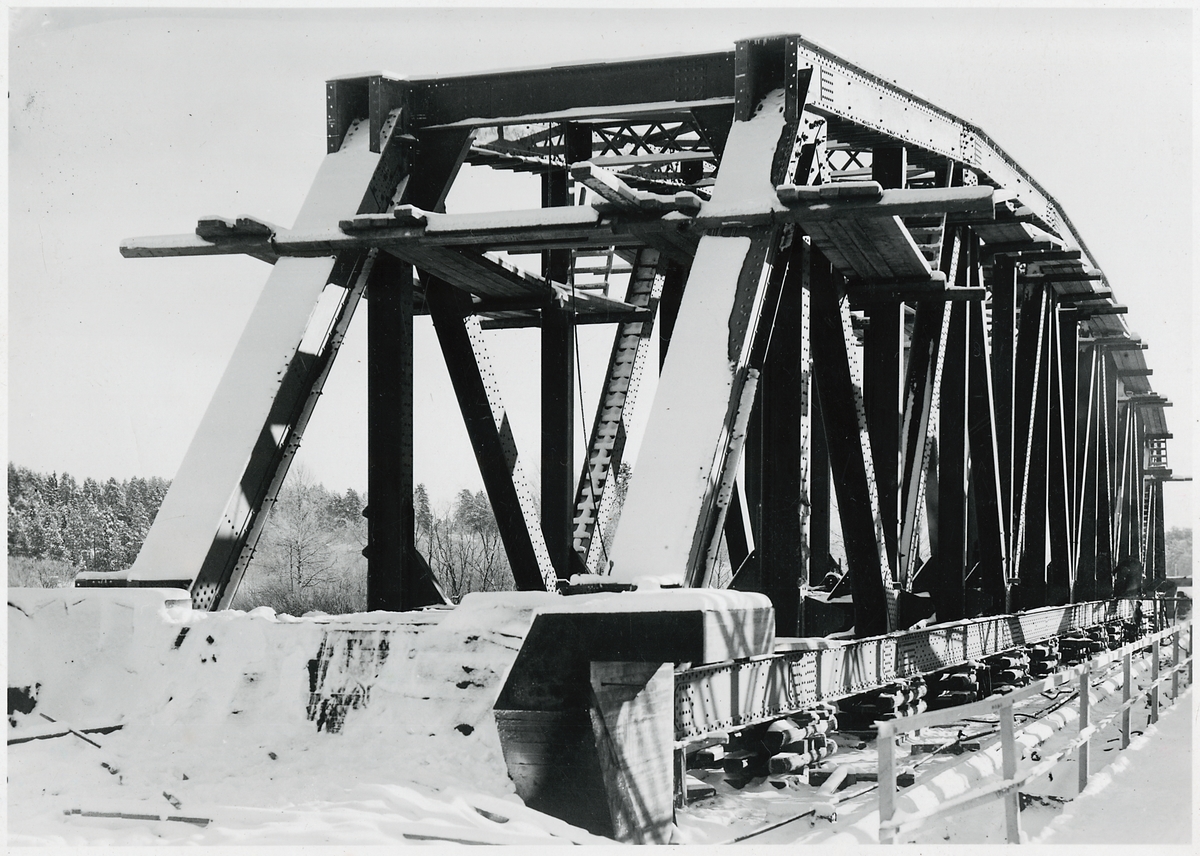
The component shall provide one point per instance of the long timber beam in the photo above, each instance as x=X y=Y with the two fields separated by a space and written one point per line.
x=569 y=227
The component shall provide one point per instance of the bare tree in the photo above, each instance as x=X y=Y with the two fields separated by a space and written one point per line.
x=463 y=544
x=298 y=542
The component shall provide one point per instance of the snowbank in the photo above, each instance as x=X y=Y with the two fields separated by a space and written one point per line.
x=364 y=728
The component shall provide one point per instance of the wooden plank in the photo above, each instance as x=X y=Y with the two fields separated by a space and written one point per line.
x=1081 y=276
x=863 y=258
x=900 y=252
x=886 y=747
x=1008 y=768
x=824 y=239
x=907 y=202
x=474 y=273
x=552 y=760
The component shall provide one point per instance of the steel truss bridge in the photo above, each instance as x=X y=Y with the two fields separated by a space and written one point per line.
x=856 y=294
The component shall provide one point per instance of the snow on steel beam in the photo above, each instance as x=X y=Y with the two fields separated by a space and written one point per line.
x=661 y=84
x=240 y=449
x=678 y=497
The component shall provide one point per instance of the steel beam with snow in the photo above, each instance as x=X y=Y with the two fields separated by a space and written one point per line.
x=662 y=85
x=676 y=501
x=203 y=534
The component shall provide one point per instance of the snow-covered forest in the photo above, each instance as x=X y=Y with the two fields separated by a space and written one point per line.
x=310 y=554
x=308 y=558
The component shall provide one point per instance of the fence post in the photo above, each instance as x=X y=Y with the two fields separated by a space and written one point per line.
x=1126 y=693
x=1175 y=663
x=1012 y=799
x=1154 y=679
x=1191 y=636
x=1084 y=755
x=886 y=747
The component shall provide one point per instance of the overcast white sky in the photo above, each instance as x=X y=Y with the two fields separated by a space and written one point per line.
x=137 y=123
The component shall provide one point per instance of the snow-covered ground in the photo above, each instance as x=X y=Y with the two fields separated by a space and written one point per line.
x=1143 y=797
x=251 y=728
x=221 y=723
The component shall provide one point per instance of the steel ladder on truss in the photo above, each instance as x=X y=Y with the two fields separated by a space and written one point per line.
x=606 y=445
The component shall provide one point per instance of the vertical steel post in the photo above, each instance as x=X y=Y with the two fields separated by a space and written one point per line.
x=1004 y=325
x=950 y=596
x=392 y=571
x=818 y=494
x=558 y=375
x=773 y=454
